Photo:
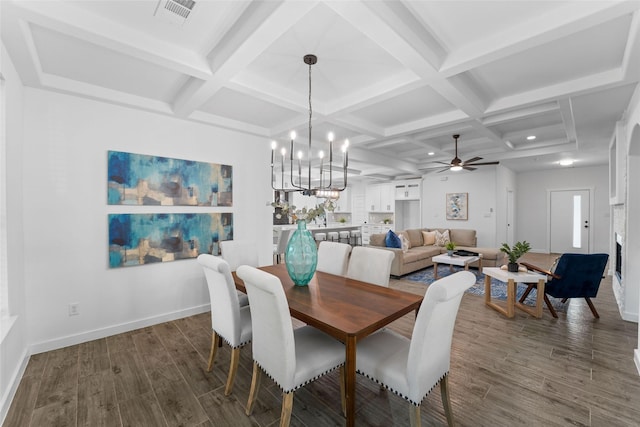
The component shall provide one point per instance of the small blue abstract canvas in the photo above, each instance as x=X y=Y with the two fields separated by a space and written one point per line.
x=137 y=239
x=138 y=179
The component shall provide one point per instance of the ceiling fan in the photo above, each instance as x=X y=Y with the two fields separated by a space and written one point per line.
x=457 y=164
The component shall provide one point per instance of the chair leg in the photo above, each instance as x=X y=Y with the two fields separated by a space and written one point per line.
x=343 y=387
x=287 y=406
x=233 y=368
x=526 y=293
x=212 y=353
x=564 y=300
x=593 y=308
x=253 y=391
x=446 y=402
x=414 y=415
x=550 y=307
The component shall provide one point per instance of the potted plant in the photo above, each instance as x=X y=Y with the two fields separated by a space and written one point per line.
x=450 y=246
x=514 y=253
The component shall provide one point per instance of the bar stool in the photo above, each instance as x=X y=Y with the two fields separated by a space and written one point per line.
x=320 y=237
x=344 y=236
x=356 y=238
x=333 y=236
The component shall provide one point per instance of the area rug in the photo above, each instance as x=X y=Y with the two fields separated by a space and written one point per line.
x=498 y=288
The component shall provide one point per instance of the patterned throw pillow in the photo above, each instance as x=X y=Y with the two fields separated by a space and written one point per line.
x=405 y=242
x=392 y=240
x=442 y=238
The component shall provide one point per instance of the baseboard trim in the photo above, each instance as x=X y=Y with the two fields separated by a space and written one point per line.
x=95 y=334
x=5 y=403
x=636 y=358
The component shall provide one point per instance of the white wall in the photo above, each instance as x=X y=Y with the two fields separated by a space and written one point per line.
x=532 y=204
x=505 y=181
x=481 y=188
x=65 y=215
x=13 y=330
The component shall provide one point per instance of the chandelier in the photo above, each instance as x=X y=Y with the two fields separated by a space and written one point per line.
x=325 y=188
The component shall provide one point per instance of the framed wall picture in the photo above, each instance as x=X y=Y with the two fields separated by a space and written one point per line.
x=457 y=206
x=138 y=179
x=137 y=239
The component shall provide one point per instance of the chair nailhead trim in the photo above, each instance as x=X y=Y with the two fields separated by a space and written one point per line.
x=242 y=344
x=300 y=385
x=397 y=393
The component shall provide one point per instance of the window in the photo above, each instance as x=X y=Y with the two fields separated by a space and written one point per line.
x=577 y=219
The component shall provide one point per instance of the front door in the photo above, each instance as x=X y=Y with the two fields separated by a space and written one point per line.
x=569 y=221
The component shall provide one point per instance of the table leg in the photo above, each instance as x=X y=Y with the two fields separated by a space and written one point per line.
x=435 y=270
x=511 y=298
x=487 y=289
x=539 y=298
x=350 y=380
x=466 y=266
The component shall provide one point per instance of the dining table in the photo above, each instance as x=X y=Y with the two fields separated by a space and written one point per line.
x=344 y=308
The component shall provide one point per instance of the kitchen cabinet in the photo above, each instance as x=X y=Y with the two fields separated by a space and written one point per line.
x=380 y=197
x=407 y=190
x=343 y=204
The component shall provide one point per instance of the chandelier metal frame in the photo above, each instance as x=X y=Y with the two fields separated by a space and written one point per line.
x=325 y=188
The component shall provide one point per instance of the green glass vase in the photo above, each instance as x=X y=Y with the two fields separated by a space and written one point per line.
x=301 y=256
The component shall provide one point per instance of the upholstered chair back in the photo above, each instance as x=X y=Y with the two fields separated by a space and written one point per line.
x=370 y=265
x=430 y=348
x=225 y=309
x=333 y=258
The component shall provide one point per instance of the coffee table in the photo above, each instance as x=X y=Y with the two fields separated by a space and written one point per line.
x=462 y=261
x=511 y=279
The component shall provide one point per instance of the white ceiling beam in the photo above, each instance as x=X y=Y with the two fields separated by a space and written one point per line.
x=379 y=25
x=580 y=86
x=270 y=20
x=75 y=22
x=631 y=58
x=568 y=119
x=519 y=113
x=367 y=156
x=448 y=118
x=357 y=125
x=560 y=22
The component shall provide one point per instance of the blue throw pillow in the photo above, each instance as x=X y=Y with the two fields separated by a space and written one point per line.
x=392 y=240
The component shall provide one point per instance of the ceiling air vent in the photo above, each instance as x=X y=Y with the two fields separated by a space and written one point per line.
x=176 y=11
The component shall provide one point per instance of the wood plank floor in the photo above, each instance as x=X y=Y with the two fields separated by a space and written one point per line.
x=571 y=371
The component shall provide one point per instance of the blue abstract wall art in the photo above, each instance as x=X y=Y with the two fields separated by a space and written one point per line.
x=137 y=239
x=138 y=179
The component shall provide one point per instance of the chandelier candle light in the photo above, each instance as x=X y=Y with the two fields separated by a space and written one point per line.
x=325 y=188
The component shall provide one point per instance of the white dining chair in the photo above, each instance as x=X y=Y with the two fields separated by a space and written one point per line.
x=281 y=247
x=370 y=265
x=291 y=358
x=333 y=258
x=229 y=320
x=237 y=253
x=412 y=368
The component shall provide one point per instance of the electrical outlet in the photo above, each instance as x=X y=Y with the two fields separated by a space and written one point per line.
x=74 y=309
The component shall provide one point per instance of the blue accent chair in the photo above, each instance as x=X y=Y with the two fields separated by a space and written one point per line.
x=575 y=276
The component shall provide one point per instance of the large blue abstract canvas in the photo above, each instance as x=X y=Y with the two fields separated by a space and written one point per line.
x=138 y=179
x=136 y=239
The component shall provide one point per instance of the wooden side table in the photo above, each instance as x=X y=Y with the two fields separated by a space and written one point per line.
x=511 y=279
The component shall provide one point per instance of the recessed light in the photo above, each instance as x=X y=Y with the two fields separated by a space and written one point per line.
x=531 y=137
x=567 y=162
x=431 y=153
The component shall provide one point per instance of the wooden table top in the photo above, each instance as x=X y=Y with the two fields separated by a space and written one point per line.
x=341 y=306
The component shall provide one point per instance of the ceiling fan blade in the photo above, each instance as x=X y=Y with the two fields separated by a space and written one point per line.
x=475 y=159
x=444 y=169
x=485 y=163
x=467 y=168
x=443 y=163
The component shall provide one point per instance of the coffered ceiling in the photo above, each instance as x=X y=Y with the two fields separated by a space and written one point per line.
x=397 y=78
